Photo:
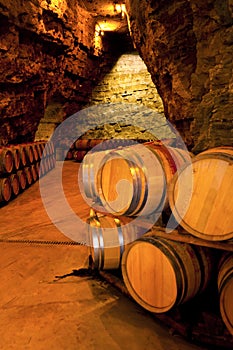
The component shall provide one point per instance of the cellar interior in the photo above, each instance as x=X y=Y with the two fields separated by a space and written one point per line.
x=116 y=181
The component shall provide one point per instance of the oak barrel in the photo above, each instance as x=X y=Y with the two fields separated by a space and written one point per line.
x=94 y=142
x=22 y=154
x=69 y=155
x=108 y=237
x=133 y=180
x=201 y=196
x=79 y=155
x=40 y=147
x=5 y=190
x=89 y=169
x=22 y=179
x=225 y=287
x=107 y=144
x=37 y=165
x=160 y=274
x=6 y=161
x=15 y=187
x=16 y=157
x=35 y=152
x=82 y=144
x=28 y=173
x=43 y=166
x=29 y=152
x=34 y=172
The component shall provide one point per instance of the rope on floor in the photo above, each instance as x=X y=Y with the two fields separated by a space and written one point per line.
x=27 y=241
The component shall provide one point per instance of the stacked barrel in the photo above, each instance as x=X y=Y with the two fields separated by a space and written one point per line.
x=82 y=146
x=124 y=183
x=139 y=181
x=21 y=165
x=208 y=214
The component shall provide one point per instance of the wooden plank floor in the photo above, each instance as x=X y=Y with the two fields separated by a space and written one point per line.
x=40 y=311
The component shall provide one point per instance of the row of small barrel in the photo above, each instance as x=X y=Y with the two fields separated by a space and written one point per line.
x=81 y=147
x=145 y=179
x=160 y=273
x=15 y=157
x=13 y=184
x=84 y=144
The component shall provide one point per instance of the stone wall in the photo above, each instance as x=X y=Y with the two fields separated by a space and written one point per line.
x=49 y=55
x=188 y=49
x=128 y=82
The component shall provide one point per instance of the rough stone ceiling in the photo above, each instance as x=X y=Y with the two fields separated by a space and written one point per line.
x=109 y=14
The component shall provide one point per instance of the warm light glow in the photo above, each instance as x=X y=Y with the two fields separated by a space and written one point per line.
x=123 y=10
x=118 y=8
x=59 y=6
x=98 y=30
x=108 y=26
x=98 y=38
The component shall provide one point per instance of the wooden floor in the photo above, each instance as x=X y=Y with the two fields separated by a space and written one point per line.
x=40 y=311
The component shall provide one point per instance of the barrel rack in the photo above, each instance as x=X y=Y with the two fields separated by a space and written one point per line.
x=180 y=235
x=205 y=326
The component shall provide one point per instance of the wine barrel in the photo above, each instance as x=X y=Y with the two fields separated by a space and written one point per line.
x=114 y=143
x=134 y=180
x=82 y=144
x=108 y=237
x=41 y=168
x=201 y=197
x=37 y=165
x=35 y=152
x=69 y=155
x=160 y=274
x=29 y=152
x=34 y=172
x=5 y=190
x=89 y=168
x=22 y=154
x=94 y=142
x=44 y=166
x=225 y=287
x=15 y=187
x=28 y=173
x=79 y=155
x=22 y=179
x=41 y=147
x=16 y=157
x=6 y=161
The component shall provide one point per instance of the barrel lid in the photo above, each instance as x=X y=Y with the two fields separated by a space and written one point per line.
x=201 y=197
x=149 y=276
